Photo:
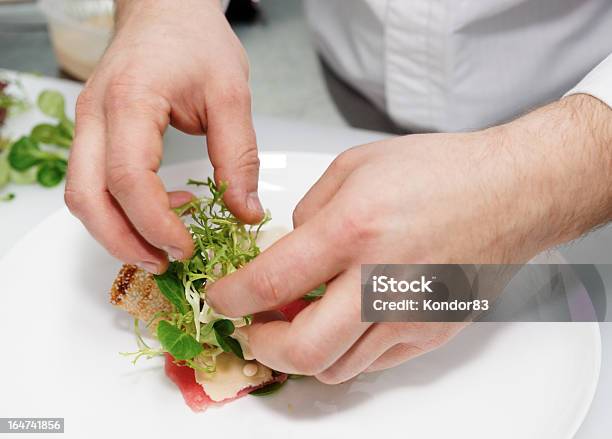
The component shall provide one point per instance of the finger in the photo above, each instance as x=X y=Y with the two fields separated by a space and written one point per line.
x=361 y=355
x=87 y=198
x=232 y=148
x=135 y=124
x=418 y=339
x=395 y=356
x=326 y=186
x=297 y=263
x=319 y=334
x=179 y=198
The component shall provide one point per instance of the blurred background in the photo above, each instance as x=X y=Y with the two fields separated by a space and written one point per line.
x=65 y=38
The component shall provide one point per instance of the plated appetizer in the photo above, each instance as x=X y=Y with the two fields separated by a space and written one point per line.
x=206 y=354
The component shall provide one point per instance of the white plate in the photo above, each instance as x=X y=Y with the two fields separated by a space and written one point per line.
x=61 y=338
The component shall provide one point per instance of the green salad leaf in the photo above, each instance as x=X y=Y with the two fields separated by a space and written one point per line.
x=51 y=134
x=316 y=293
x=177 y=343
x=29 y=163
x=26 y=153
x=269 y=389
x=172 y=288
x=223 y=332
x=7 y=197
x=51 y=172
x=52 y=104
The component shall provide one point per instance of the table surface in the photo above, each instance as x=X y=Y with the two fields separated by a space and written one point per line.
x=299 y=93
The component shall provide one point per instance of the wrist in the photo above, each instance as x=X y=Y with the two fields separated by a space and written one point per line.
x=562 y=154
x=158 y=8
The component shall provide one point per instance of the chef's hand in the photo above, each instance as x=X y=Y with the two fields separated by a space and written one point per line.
x=496 y=196
x=168 y=63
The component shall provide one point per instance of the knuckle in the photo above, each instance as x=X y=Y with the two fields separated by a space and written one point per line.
x=441 y=334
x=122 y=94
x=121 y=179
x=331 y=377
x=341 y=163
x=75 y=201
x=231 y=94
x=306 y=358
x=360 y=224
x=406 y=351
x=85 y=103
x=392 y=333
x=266 y=288
x=114 y=249
x=118 y=94
x=299 y=214
x=248 y=160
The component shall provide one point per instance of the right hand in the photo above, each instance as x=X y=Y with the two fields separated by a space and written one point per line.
x=167 y=64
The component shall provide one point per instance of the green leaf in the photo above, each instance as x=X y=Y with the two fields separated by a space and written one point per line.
x=208 y=334
x=315 y=294
x=51 y=103
x=172 y=288
x=67 y=127
x=228 y=344
x=224 y=327
x=51 y=172
x=177 y=343
x=223 y=331
x=7 y=197
x=25 y=153
x=269 y=389
x=50 y=134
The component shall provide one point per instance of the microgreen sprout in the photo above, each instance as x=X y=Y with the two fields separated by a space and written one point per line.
x=37 y=157
x=7 y=197
x=193 y=332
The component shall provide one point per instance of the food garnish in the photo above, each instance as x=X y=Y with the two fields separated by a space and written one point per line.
x=41 y=156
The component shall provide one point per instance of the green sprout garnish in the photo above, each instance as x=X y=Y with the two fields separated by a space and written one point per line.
x=193 y=332
x=40 y=157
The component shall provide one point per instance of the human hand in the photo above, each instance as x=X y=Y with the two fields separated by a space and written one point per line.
x=395 y=201
x=496 y=196
x=167 y=64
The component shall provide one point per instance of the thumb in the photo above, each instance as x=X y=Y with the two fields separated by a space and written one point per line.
x=232 y=149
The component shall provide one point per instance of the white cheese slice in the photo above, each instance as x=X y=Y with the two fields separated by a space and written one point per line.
x=241 y=336
x=229 y=378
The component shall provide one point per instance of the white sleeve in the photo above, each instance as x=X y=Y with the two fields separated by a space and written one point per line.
x=598 y=83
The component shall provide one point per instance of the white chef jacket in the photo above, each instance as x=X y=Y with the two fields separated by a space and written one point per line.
x=457 y=65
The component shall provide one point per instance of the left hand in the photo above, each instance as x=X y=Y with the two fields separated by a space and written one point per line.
x=495 y=196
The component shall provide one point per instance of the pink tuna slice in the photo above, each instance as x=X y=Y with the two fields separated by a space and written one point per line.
x=193 y=393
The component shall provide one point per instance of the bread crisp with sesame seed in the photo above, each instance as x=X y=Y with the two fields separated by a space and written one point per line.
x=135 y=291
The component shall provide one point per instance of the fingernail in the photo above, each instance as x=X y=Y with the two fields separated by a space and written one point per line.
x=149 y=267
x=174 y=253
x=253 y=203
